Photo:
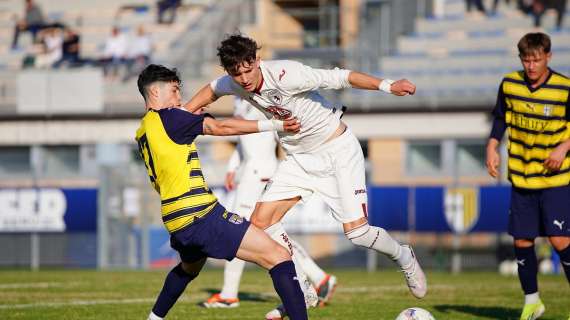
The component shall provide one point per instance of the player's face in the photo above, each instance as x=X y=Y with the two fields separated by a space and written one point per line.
x=169 y=95
x=536 y=65
x=248 y=75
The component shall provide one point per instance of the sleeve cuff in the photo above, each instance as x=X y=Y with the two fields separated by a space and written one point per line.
x=344 y=73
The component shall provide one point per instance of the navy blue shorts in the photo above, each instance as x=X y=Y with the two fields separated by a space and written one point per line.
x=539 y=213
x=217 y=235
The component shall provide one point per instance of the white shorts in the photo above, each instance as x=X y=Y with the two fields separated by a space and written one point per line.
x=247 y=194
x=334 y=171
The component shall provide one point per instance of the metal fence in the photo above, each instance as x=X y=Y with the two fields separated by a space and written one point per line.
x=128 y=207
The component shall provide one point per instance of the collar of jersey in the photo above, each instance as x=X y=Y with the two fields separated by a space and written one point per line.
x=530 y=88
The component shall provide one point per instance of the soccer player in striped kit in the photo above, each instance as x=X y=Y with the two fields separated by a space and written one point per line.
x=533 y=106
x=199 y=226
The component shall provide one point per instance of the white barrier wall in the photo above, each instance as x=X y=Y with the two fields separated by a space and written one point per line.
x=45 y=92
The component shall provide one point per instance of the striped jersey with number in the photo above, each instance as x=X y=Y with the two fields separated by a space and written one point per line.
x=537 y=120
x=166 y=144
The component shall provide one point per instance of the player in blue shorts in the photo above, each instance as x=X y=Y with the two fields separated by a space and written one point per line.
x=199 y=226
x=533 y=105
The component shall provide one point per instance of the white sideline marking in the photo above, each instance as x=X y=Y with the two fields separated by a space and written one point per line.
x=402 y=287
x=37 y=285
x=76 y=303
x=151 y=300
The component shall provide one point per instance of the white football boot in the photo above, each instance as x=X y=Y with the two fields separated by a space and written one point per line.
x=415 y=277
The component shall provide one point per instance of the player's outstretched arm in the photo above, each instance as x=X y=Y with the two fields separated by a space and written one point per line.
x=361 y=80
x=201 y=99
x=234 y=126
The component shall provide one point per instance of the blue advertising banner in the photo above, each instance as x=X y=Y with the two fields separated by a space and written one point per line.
x=422 y=209
x=440 y=209
x=388 y=207
x=48 y=210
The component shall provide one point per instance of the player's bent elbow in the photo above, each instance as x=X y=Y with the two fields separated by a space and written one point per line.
x=213 y=127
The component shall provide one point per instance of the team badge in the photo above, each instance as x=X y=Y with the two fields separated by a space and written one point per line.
x=235 y=219
x=547 y=110
x=275 y=96
x=461 y=208
x=279 y=113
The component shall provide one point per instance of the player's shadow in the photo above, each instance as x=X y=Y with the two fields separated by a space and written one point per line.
x=483 y=312
x=244 y=295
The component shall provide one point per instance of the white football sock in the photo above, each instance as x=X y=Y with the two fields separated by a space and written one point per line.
x=378 y=239
x=278 y=233
x=315 y=274
x=232 y=276
x=153 y=316
x=531 y=298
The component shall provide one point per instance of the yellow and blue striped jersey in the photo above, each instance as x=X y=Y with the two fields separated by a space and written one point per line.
x=166 y=144
x=537 y=121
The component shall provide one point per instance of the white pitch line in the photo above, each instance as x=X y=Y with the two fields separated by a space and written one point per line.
x=76 y=303
x=341 y=289
x=37 y=285
x=389 y=288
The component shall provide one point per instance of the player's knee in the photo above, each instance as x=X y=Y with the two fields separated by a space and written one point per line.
x=361 y=236
x=278 y=254
x=190 y=269
x=559 y=243
x=524 y=243
x=259 y=222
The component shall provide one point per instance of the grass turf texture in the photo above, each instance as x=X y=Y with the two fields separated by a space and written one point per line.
x=71 y=294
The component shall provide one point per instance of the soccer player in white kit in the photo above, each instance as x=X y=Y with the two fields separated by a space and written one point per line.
x=249 y=169
x=323 y=158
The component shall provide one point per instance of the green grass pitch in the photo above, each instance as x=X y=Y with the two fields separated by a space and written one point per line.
x=71 y=294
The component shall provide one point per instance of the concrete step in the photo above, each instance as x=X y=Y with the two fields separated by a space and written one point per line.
x=504 y=20
x=461 y=41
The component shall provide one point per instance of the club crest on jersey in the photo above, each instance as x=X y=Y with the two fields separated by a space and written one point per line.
x=235 y=219
x=275 y=96
x=547 y=109
x=279 y=113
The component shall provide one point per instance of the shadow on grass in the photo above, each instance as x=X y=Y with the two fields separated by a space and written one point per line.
x=484 y=312
x=243 y=296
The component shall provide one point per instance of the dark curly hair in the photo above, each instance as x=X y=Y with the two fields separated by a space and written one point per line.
x=156 y=73
x=236 y=49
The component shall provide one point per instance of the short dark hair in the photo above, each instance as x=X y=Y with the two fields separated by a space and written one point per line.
x=532 y=43
x=236 y=49
x=156 y=73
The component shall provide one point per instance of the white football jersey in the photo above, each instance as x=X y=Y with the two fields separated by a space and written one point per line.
x=289 y=88
x=257 y=151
